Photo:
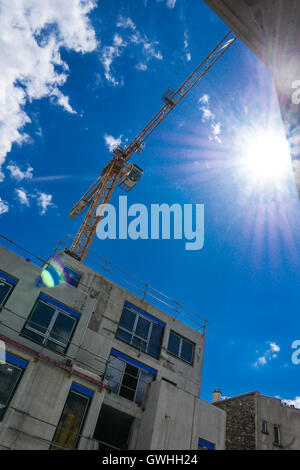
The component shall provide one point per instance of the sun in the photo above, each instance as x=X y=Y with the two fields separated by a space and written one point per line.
x=265 y=156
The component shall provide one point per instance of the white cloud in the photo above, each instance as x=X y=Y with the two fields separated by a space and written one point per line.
x=270 y=353
x=3 y=206
x=125 y=23
x=274 y=347
x=17 y=174
x=62 y=100
x=33 y=32
x=142 y=67
x=216 y=131
x=109 y=54
x=204 y=99
x=294 y=403
x=132 y=37
x=170 y=3
x=186 y=47
x=112 y=142
x=23 y=197
x=208 y=116
x=44 y=201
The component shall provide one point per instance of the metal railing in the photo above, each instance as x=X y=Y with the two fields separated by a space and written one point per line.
x=146 y=292
x=130 y=282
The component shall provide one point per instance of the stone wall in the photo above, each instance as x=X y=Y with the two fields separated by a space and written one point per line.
x=240 y=421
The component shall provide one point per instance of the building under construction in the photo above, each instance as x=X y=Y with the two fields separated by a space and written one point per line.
x=92 y=365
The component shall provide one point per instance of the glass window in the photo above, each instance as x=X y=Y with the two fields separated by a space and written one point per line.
x=276 y=435
x=72 y=277
x=71 y=421
x=181 y=347
x=127 y=380
x=10 y=375
x=6 y=288
x=49 y=326
x=174 y=344
x=139 y=331
x=264 y=427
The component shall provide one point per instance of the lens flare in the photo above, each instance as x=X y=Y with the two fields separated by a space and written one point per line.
x=54 y=274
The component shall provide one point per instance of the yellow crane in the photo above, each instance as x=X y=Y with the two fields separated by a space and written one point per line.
x=117 y=170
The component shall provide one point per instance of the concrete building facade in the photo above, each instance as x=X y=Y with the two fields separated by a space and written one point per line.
x=259 y=422
x=91 y=365
x=271 y=29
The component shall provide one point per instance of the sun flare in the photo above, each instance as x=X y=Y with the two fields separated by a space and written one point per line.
x=266 y=157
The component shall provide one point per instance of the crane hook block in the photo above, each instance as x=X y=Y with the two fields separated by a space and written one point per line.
x=131 y=177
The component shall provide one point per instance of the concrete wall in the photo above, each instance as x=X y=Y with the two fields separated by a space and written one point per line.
x=288 y=419
x=175 y=420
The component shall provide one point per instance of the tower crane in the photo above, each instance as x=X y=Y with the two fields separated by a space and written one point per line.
x=128 y=175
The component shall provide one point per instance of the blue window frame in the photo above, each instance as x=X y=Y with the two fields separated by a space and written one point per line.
x=10 y=375
x=51 y=324
x=205 y=445
x=141 y=330
x=127 y=377
x=7 y=284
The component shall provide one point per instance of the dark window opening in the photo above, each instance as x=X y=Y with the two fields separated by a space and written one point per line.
x=7 y=285
x=113 y=429
x=276 y=435
x=72 y=277
x=10 y=376
x=181 y=347
x=264 y=427
x=127 y=380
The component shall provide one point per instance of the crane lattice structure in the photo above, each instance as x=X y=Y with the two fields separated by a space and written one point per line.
x=117 y=169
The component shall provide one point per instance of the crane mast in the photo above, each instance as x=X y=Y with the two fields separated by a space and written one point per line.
x=101 y=191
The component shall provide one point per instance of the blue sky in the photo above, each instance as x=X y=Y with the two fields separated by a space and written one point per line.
x=76 y=77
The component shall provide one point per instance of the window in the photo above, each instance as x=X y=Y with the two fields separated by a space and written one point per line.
x=205 y=445
x=128 y=378
x=141 y=330
x=181 y=347
x=7 y=283
x=72 y=418
x=10 y=375
x=264 y=427
x=276 y=435
x=72 y=277
x=51 y=324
